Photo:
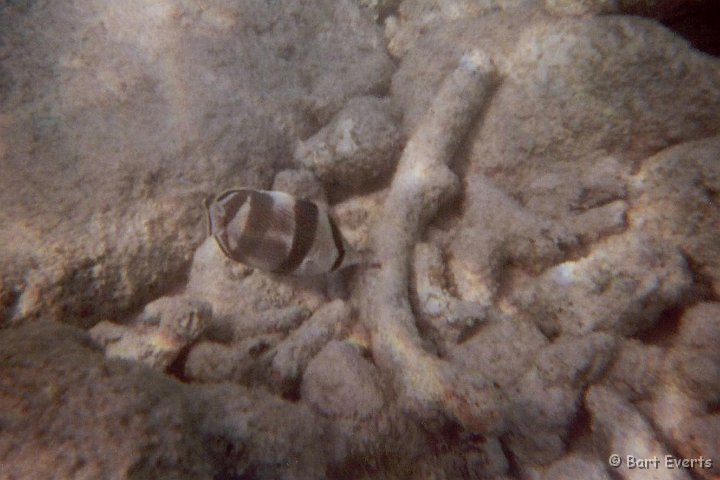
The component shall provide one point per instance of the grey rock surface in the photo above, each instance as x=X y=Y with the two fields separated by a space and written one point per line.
x=339 y=382
x=300 y=183
x=66 y=412
x=627 y=433
x=294 y=354
x=164 y=328
x=573 y=467
x=244 y=361
x=636 y=370
x=682 y=406
x=253 y=433
x=358 y=146
x=545 y=401
x=622 y=286
x=581 y=7
x=675 y=201
x=249 y=301
x=118 y=122
x=532 y=186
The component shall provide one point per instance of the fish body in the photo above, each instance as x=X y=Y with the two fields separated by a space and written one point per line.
x=276 y=232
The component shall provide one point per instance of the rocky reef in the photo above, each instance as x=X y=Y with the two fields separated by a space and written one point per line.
x=532 y=184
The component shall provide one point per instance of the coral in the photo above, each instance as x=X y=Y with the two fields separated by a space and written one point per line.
x=66 y=412
x=636 y=370
x=356 y=214
x=358 y=146
x=539 y=277
x=217 y=280
x=581 y=7
x=415 y=18
x=339 y=383
x=243 y=361
x=676 y=200
x=683 y=404
x=276 y=320
x=379 y=8
x=421 y=183
x=675 y=387
x=449 y=316
x=496 y=230
x=293 y=355
x=255 y=434
x=573 y=467
x=544 y=402
x=162 y=330
x=503 y=350
x=300 y=183
x=621 y=286
x=628 y=433
x=118 y=122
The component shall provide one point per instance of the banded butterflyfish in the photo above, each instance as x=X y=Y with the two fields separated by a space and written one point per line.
x=278 y=233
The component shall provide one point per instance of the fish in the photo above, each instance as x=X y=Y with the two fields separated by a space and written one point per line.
x=278 y=233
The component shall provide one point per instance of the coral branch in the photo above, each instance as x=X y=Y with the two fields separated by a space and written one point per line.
x=422 y=182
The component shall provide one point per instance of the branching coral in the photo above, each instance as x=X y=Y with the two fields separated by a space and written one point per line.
x=426 y=384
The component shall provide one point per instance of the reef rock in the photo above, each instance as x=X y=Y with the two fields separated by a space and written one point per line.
x=581 y=7
x=676 y=200
x=358 y=146
x=339 y=382
x=683 y=404
x=300 y=183
x=246 y=301
x=253 y=434
x=628 y=433
x=428 y=23
x=294 y=354
x=66 y=412
x=622 y=286
x=502 y=350
x=572 y=467
x=545 y=401
x=564 y=131
x=245 y=361
x=118 y=121
x=636 y=370
x=162 y=330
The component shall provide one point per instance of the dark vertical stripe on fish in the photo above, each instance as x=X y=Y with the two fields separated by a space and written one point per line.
x=306 y=220
x=257 y=225
x=337 y=239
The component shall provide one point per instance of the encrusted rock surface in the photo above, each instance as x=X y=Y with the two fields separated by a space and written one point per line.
x=358 y=146
x=622 y=286
x=628 y=433
x=677 y=200
x=164 y=328
x=573 y=466
x=339 y=382
x=62 y=403
x=532 y=185
x=293 y=355
x=118 y=121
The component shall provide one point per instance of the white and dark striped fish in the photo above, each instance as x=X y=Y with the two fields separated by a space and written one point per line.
x=276 y=232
